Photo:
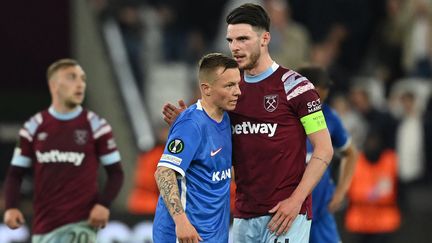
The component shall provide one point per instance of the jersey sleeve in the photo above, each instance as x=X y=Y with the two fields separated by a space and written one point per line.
x=182 y=144
x=24 y=153
x=340 y=137
x=106 y=146
x=306 y=103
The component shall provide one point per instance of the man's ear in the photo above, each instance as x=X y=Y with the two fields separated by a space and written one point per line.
x=265 y=38
x=205 y=89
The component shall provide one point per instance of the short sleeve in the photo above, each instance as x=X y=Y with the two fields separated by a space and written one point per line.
x=182 y=144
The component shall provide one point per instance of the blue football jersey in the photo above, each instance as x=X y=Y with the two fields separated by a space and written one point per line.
x=200 y=150
x=324 y=228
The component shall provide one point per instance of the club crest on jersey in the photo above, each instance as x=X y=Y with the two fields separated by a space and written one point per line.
x=42 y=136
x=175 y=146
x=80 y=137
x=271 y=102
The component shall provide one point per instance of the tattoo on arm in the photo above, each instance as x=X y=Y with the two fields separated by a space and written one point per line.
x=168 y=188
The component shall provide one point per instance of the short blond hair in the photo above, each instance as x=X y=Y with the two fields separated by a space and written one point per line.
x=60 y=64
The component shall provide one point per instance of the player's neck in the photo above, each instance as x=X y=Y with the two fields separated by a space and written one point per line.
x=212 y=110
x=263 y=64
x=63 y=109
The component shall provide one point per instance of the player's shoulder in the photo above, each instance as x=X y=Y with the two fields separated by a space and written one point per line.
x=34 y=122
x=192 y=112
x=295 y=84
x=96 y=121
x=192 y=116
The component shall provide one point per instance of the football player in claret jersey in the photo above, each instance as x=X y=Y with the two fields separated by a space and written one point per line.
x=64 y=145
x=326 y=196
x=194 y=172
x=274 y=116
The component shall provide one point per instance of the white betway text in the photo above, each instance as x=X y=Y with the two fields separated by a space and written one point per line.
x=55 y=156
x=255 y=128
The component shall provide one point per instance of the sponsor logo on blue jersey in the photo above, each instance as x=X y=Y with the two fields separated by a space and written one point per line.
x=221 y=175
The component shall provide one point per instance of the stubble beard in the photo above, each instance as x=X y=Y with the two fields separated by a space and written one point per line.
x=253 y=61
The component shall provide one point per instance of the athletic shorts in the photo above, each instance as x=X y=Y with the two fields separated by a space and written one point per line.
x=80 y=232
x=255 y=230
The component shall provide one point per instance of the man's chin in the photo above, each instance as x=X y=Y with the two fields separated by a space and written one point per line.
x=73 y=105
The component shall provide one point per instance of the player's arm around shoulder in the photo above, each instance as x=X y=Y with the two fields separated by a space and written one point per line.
x=166 y=180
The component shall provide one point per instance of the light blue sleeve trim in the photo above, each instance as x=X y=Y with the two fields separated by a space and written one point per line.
x=21 y=161
x=110 y=158
x=31 y=126
x=291 y=83
x=173 y=167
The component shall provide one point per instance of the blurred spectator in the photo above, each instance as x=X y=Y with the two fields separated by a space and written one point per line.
x=373 y=214
x=384 y=54
x=377 y=118
x=132 y=29
x=417 y=52
x=188 y=33
x=427 y=122
x=351 y=119
x=144 y=195
x=409 y=147
x=409 y=142
x=290 y=45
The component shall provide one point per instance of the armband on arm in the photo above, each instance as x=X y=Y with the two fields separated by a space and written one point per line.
x=313 y=122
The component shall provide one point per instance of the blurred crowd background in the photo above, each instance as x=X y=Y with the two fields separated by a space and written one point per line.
x=139 y=54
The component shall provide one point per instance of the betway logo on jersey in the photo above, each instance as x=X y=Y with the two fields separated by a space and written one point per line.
x=255 y=128
x=221 y=175
x=314 y=105
x=55 y=156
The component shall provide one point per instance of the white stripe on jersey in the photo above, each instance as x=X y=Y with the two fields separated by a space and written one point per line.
x=291 y=80
x=102 y=131
x=300 y=90
x=183 y=192
x=33 y=123
x=96 y=123
x=24 y=133
x=38 y=118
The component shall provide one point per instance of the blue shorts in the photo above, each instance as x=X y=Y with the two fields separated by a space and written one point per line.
x=255 y=230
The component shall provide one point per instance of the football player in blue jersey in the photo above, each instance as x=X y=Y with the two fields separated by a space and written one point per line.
x=326 y=196
x=194 y=172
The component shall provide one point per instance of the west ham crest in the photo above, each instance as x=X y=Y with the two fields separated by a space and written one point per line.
x=80 y=137
x=271 y=102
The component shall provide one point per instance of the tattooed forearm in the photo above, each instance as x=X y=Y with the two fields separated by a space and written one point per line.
x=168 y=188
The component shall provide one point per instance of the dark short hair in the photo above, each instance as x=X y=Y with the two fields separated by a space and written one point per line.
x=249 y=13
x=59 y=64
x=316 y=75
x=212 y=61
